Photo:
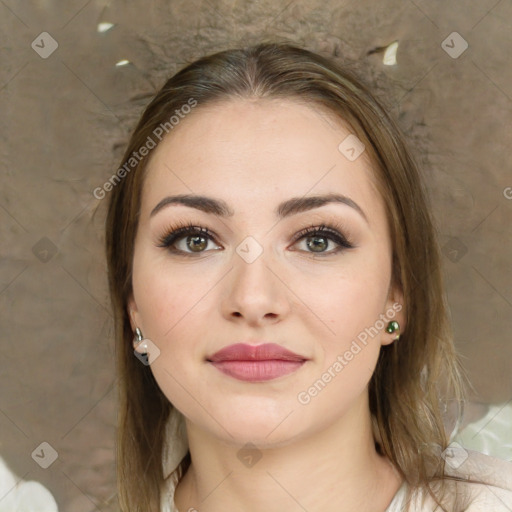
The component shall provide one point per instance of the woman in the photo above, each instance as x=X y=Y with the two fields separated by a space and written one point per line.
x=273 y=266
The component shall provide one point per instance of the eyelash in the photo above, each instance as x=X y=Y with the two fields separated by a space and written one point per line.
x=329 y=231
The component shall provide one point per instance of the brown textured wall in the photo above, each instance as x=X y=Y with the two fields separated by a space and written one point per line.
x=65 y=116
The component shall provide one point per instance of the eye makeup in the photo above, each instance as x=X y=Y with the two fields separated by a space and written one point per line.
x=176 y=232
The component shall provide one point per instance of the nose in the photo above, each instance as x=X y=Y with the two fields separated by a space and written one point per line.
x=255 y=292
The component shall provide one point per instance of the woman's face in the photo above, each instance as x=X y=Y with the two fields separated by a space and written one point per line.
x=254 y=278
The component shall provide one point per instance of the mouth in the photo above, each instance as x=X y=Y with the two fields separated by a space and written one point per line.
x=256 y=363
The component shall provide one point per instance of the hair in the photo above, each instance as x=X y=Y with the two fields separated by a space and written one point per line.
x=406 y=396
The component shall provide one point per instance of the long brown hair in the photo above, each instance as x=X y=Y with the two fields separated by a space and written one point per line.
x=406 y=397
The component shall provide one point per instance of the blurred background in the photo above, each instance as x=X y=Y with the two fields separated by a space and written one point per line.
x=75 y=76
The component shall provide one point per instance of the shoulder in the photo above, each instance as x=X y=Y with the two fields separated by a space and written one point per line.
x=21 y=495
x=479 y=483
x=472 y=465
x=486 y=481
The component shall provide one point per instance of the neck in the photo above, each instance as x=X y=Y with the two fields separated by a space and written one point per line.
x=343 y=472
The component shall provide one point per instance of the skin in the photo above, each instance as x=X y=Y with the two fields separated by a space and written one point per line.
x=253 y=154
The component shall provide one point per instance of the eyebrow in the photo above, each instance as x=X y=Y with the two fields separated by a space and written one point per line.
x=287 y=208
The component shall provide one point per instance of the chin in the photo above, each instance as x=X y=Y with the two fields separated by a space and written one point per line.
x=263 y=428
x=262 y=437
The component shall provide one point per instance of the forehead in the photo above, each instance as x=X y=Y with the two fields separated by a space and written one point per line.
x=249 y=151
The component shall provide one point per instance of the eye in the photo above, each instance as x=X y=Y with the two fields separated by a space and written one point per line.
x=191 y=240
x=317 y=239
x=187 y=240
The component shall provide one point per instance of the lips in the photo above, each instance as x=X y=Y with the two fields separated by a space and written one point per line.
x=256 y=363
x=264 y=352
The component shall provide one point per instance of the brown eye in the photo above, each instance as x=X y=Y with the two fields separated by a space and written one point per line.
x=196 y=242
x=317 y=243
x=187 y=240
x=317 y=240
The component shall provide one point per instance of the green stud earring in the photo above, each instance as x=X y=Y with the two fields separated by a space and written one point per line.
x=393 y=327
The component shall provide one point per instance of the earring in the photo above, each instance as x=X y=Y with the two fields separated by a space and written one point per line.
x=138 y=338
x=138 y=334
x=393 y=327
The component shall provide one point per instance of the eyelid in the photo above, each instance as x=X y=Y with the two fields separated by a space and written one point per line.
x=324 y=228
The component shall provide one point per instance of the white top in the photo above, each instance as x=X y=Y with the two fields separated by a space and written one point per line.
x=492 y=433
x=17 y=495
x=495 y=495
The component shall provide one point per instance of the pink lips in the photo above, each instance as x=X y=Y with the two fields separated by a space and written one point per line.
x=256 y=363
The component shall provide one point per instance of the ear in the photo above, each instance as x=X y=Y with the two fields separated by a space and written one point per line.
x=395 y=311
x=132 y=312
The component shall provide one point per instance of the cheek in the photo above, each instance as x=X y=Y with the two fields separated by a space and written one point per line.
x=170 y=304
x=349 y=303
x=355 y=341
x=347 y=356
x=167 y=298
x=345 y=301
